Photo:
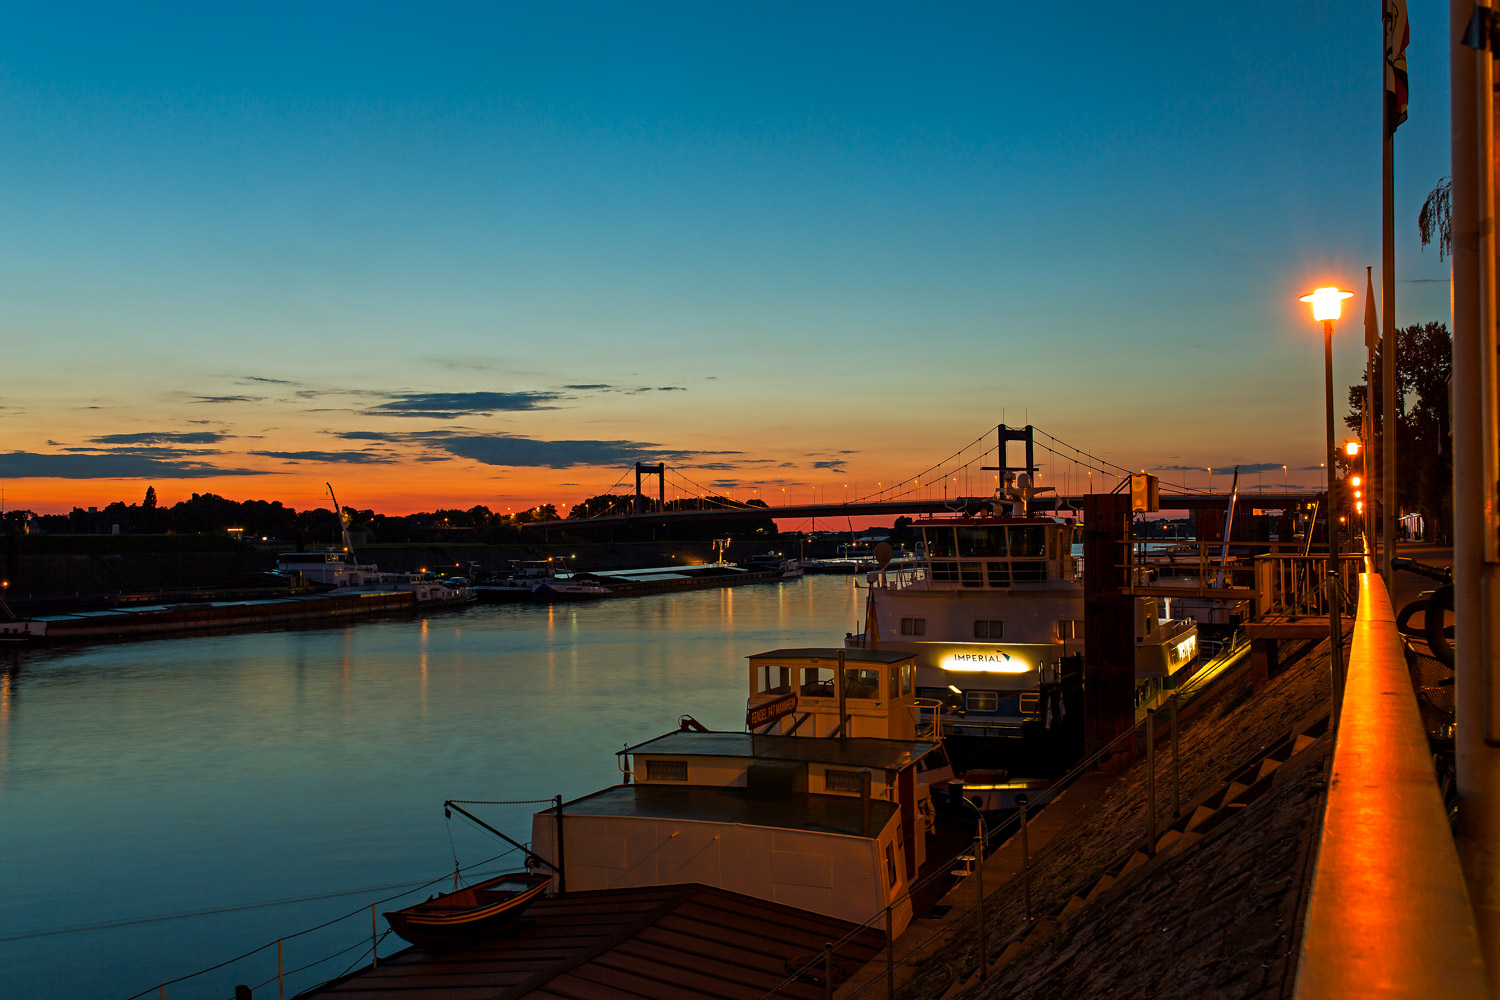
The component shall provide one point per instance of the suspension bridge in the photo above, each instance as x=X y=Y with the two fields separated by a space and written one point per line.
x=948 y=486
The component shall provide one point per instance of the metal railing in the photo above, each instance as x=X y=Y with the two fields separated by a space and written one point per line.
x=1389 y=913
x=1003 y=914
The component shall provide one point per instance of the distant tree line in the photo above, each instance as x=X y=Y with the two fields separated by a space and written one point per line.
x=205 y=513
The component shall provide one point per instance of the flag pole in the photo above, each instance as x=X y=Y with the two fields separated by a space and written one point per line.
x=1388 y=510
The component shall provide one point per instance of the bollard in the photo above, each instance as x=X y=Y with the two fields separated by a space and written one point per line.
x=1021 y=803
x=890 y=954
x=984 y=958
x=242 y=992
x=828 y=970
x=1176 y=794
x=374 y=940
x=280 y=980
x=1150 y=782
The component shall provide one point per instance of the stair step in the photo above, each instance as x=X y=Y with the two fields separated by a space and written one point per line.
x=1165 y=842
x=1302 y=742
x=1267 y=767
x=1100 y=887
x=1234 y=791
x=1136 y=860
x=1200 y=815
x=1011 y=951
x=1188 y=840
x=1076 y=903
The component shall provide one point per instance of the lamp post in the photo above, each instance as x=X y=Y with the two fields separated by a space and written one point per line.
x=1327 y=303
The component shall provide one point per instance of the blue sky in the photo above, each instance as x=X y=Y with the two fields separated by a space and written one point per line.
x=843 y=233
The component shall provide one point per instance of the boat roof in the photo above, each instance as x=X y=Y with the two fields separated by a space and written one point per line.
x=855 y=752
x=832 y=653
x=839 y=814
x=592 y=943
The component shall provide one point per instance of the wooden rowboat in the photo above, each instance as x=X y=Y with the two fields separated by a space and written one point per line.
x=455 y=918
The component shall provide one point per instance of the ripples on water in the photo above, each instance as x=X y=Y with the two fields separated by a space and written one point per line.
x=149 y=778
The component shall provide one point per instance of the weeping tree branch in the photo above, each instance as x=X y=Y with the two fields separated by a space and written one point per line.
x=1436 y=218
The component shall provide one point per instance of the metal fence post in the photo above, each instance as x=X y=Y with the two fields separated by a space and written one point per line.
x=984 y=958
x=890 y=954
x=1176 y=792
x=1151 y=782
x=828 y=970
x=1021 y=803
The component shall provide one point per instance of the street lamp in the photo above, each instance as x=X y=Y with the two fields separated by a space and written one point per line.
x=1327 y=303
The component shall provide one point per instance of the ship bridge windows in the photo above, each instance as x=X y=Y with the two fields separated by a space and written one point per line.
x=999 y=574
x=940 y=543
x=817 y=682
x=1028 y=572
x=989 y=628
x=862 y=683
x=914 y=626
x=1028 y=540
x=981 y=541
x=770 y=679
x=971 y=574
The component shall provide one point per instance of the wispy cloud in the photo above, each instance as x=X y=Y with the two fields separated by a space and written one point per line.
x=226 y=399
x=162 y=437
x=31 y=465
x=836 y=465
x=338 y=457
x=448 y=405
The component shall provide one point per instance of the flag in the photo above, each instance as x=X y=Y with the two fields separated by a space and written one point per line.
x=1397 y=35
x=1372 y=322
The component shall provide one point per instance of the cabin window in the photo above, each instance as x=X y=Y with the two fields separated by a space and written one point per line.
x=981 y=541
x=1028 y=541
x=841 y=781
x=981 y=701
x=988 y=628
x=862 y=683
x=773 y=680
x=893 y=676
x=666 y=770
x=908 y=672
x=914 y=626
x=940 y=542
x=999 y=574
x=971 y=574
x=890 y=865
x=1069 y=628
x=817 y=682
x=1029 y=701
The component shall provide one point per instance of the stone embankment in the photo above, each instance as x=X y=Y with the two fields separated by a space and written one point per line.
x=1213 y=911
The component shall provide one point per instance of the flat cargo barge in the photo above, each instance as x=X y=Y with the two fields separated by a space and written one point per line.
x=166 y=619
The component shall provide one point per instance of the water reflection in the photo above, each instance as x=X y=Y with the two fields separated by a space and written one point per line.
x=185 y=774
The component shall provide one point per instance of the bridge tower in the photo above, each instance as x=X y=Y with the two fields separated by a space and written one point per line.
x=659 y=470
x=1004 y=435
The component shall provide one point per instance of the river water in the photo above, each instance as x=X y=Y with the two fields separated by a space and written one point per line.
x=164 y=778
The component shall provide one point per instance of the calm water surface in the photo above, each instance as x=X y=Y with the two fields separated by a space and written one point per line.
x=154 y=779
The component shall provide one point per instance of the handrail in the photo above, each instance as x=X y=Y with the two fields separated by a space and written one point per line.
x=1389 y=913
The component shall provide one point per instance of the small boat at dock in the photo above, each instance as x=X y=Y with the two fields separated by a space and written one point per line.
x=455 y=918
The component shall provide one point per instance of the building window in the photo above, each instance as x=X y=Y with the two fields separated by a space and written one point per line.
x=914 y=626
x=666 y=770
x=981 y=701
x=841 y=781
x=988 y=628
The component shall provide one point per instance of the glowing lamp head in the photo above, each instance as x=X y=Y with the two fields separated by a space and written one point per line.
x=1351 y=448
x=1327 y=303
x=1354 y=480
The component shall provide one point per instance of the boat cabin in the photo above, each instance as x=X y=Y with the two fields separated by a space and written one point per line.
x=835 y=826
x=798 y=691
x=1000 y=552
